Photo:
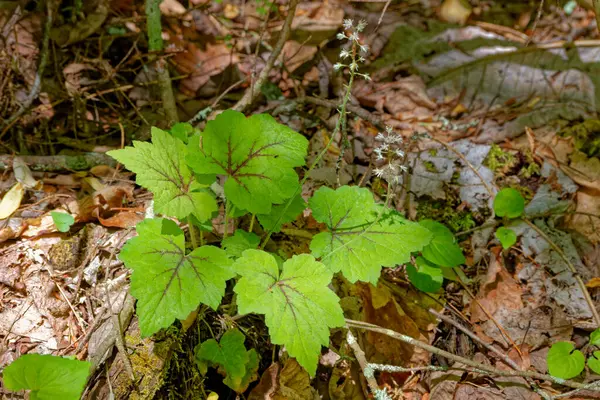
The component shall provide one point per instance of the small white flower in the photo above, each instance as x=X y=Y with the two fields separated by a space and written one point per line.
x=344 y=54
x=404 y=168
x=361 y=59
x=362 y=24
x=384 y=146
x=348 y=23
x=377 y=151
x=366 y=76
x=353 y=36
x=399 y=153
x=364 y=48
x=354 y=66
x=380 y=136
x=389 y=129
x=378 y=172
x=338 y=66
x=341 y=36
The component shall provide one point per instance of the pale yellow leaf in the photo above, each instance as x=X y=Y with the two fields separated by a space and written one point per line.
x=11 y=200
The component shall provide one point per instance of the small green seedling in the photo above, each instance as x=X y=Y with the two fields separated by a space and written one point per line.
x=509 y=204
x=62 y=221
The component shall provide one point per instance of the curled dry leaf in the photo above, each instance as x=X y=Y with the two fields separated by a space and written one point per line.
x=11 y=200
x=405 y=98
x=23 y=173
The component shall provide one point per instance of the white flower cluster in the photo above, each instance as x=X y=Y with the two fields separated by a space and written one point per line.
x=391 y=152
x=356 y=50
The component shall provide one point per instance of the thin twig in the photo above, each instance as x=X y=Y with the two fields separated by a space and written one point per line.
x=254 y=90
x=477 y=367
x=362 y=361
x=503 y=356
x=571 y=267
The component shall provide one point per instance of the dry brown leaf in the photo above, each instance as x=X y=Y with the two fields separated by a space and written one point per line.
x=588 y=221
x=11 y=200
x=203 y=64
x=389 y=316
x=295 y=54
x=345 y=382
x=73 y=33
x=405 y=98
x=23 y=173
x=291 y=382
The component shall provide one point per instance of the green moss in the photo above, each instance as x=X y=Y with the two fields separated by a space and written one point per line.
x=586 y=136
x=499 y=159
x=430 y=167
x=446 y=212
x=530 y=168
x=433 y=152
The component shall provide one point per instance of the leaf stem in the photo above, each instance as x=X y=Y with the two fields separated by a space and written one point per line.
x=226 y=219
x=252 y=222
x=338 y=125
x=192 y=231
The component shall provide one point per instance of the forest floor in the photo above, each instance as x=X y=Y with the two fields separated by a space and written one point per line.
x=495 y=100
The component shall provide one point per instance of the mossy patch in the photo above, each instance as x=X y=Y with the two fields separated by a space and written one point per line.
x=586 y=136
x=446 y=212
x=499 y=160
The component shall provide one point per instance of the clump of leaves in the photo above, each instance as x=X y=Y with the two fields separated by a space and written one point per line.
x=500 y=160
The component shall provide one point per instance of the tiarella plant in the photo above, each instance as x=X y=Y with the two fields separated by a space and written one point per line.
x=249 y=166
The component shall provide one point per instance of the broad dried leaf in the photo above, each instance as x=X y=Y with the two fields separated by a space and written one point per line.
x=160 y=167
x=299 y=308
x=167 y=283
x=358 y=243
x=257 y=154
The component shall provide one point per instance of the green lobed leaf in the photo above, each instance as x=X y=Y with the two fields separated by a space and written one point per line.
x=427 y=278
x=509 y=203
x=443 y=249
x=298 y=305
x=257 y=154
x=167 y=283
x=240 y=241
x=160 y=167
x=238 y=364
x=182 y=131
x=274 y=221
x=594 y=362
x=354 y=244
x=48 y=377
x=63 y=221
x=506 y=236
x=595 y=338
x=564 y=361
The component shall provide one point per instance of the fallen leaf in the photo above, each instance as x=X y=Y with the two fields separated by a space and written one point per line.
x=203 y=64
x=11 y=200
x=23 y=173
x=295 y=54
x=593 y=283
x=289 y=382
x=73 y=33
x=405 y=98
x=455 y=11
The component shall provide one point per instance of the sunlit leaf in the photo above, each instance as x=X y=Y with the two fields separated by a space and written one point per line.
x=48 y=377
x=357 y=242
x=160 y=167
x=256 y=154
x=564 y=361
x=299 y=307
x=168 y=283
x=443 y=249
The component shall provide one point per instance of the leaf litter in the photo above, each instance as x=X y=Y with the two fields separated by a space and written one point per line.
x=465 y=95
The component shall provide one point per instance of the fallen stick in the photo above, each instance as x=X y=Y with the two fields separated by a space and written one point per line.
x=82 y=162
